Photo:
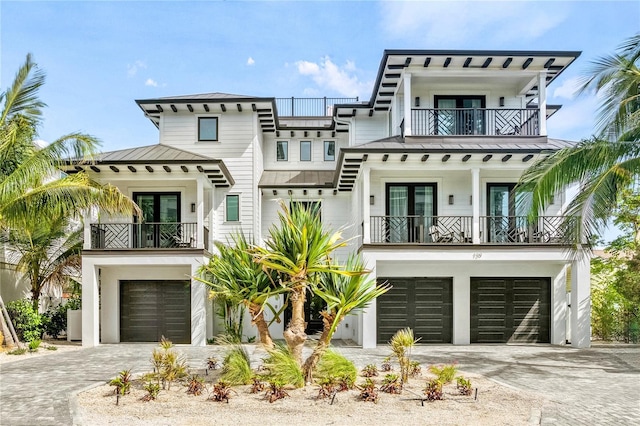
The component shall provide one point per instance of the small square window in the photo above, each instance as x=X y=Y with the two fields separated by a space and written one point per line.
x=282 y=151
x=207 y=128
x=233 y=208
x=305 y=150
x=329 y=151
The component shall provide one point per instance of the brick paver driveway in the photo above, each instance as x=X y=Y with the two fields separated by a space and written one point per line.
x=597 y=386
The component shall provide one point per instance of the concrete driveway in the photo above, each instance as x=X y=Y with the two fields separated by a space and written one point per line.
x=597 y=386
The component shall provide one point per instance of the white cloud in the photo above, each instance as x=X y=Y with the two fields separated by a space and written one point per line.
x=132 y=69
x=568 y=88
x=330 y=76
x=462 y=23
x=41 y=143
x=250 y=61
x=151 y=82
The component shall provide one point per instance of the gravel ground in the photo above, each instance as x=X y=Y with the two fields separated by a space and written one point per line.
x=496 y=405
x=60 y=345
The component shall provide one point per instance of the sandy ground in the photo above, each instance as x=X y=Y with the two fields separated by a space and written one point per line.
x=496 y=405
x=61 y=345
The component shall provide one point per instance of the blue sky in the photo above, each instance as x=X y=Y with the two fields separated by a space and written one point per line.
x=101 y=56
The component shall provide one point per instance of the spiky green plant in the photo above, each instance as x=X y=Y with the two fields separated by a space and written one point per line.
x=401 y=344
x=275 y=391
x=433 y=390
x=463 y=385
x=391 y=384
x=282 y=367
x=34 y=345
x=444 y=373
x=368 y=391
x=122 y=382
x=236 y=367
x=369 y=370
x=195 y=385
x=334 y=364
x=153 y=389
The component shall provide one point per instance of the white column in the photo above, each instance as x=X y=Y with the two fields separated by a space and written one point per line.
x=475 y=207
x=559 y=308
x=199 y=213
x=580 y=301
x=199 y=299
x=90 y=305
x=461 y=310
x=90 y=216
x=366 y=207
x=209 y=245
x=368 y=322
x=542 y=101
x=407 y=104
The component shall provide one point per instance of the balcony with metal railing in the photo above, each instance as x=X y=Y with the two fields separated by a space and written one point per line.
x=458 y=230
x=475 y=122
x=145 y=236
x=309 y=107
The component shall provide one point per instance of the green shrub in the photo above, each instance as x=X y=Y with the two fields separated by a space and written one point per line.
x=236 y=369
x=26 y=320
x=34 y=345
x=445 y=373
x=54 y=321
x=333 y=364
x=18 y=351
x=52 y=348
x=401 y=344
x=433 y=390
x=282 y=367
x=463 y=385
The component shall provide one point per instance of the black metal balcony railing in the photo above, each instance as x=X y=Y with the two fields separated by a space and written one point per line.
x=143 y=235
x=309 y=107
x=458 y=230
x=475 y=121
x=421 y=229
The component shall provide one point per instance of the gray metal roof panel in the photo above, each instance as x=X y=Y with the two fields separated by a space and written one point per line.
x=296 y=178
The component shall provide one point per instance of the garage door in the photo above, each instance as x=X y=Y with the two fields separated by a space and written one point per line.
x=423 y=304
x=152 y=309
x=510 y=310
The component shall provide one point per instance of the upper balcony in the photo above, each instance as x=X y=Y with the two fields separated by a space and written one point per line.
x=474 y=122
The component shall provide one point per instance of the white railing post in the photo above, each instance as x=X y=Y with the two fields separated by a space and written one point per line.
x=475 y=205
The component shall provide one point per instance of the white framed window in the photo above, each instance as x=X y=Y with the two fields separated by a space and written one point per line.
x=207 y=129
x=305 y=150
x=329 y=151
x=232 y=208
x=282 y=151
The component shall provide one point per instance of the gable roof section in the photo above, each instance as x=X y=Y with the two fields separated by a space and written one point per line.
x=150 y=154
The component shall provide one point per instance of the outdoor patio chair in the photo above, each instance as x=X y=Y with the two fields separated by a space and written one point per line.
x=440 y=237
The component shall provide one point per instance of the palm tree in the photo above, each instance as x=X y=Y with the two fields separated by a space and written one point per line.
x=343 y=295
x=31 y=184
x=48 y=251
x=602 y=166
x=299 y=249
x=233 y=275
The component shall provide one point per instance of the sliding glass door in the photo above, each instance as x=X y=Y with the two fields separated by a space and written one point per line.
x=410 y=211
x=160 y=227
x=460 y=115
x=506 y=211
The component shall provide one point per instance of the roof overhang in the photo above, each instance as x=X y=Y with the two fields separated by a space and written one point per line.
x=149 y=160
x=520 y=67
x=212 y=104
x=297 y=179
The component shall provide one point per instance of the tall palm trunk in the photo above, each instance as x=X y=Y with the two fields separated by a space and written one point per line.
x=257 y=318
x=325 y=339
x=295 y=335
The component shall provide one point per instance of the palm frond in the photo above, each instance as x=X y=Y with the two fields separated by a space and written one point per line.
x=22 y=97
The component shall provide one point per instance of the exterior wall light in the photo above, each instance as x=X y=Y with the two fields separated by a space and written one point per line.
x=501 y=101
x=372 y=199
x=451 y=199
x=193 y=207
x=417 y=101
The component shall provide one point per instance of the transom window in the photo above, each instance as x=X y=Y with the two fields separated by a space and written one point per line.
x=207 y=128
x=329 y=151
x=305 y=150
x=282 y=151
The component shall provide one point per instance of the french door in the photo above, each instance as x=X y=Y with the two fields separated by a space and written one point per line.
x=410 y=211
x=460 y=115
x=506 y=220
x=160 y=227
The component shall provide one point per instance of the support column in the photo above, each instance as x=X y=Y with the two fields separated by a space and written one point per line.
x=199 y=300
x=211 y=215
x=90 y=305
x=90 y=216
x=461 y=310
x=542 y=101
x=199 y=213
x=366 y=207
x=475 y=201
x=581 y=301
x=559 y=308
x=368 y=323
x=407 y=105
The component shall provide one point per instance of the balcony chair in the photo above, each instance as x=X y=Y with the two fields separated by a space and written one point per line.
x=440 y=237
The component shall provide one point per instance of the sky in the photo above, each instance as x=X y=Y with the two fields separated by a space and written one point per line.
x=99 y=57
